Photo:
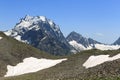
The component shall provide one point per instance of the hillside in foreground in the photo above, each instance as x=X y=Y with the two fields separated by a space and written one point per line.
x=73 y=69
x=13 y=52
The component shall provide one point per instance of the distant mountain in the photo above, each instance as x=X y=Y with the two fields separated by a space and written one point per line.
x=45 y=35
x=82 y=43
x=117 y=42
x=80 y=39
x=41 y=33
x=79 y=42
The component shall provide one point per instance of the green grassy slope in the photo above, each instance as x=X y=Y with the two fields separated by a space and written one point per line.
x=13 y=52
x=72 y=69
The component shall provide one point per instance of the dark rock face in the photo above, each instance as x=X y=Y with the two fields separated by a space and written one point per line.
x=80 y=39
x=117 y=42
x=41 y=33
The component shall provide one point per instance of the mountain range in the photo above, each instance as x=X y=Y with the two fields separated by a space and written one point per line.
x=41 y=33
x=45 y=35
x=82 y=43
x=20 y=61
x=30 y=51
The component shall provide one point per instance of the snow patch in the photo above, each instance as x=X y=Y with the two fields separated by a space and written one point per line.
x=24 y=24
x=51 y=22
x=36 y=27
x=8 y=33
x=78 y=46
x=97 y=60
x=18 y=37
x=1 y=38
x=43 y=38
x=107 y=47
x=27 y=17
x=43 y=18
x=30 y=65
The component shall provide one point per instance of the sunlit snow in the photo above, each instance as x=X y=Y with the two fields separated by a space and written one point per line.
x=50 y=22
x=107 y=47
x=30 y=65
x=97 y=60
x=43 y=18
x=80 y=47
x=8 y=33
x=1 y=38
x=18 y=37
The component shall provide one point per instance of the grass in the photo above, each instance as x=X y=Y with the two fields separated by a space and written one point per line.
x=13 y=52
x=72 y=69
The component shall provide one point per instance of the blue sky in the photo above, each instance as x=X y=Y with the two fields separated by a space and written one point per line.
x=98 y=19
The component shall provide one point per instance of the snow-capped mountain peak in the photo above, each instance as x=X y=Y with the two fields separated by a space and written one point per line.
x=28 y=17
x=80 y=39
x=40 y=32
x=35 y=18
x=82 y=43
x=29 y=23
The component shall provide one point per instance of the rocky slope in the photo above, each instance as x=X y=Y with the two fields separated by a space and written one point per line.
x=117 y=42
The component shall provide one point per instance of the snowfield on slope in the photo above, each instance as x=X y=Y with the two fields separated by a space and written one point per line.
x=107 y=47
x=97 y=60
x=80 y=47
x=30 y=65
x=1 y=38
